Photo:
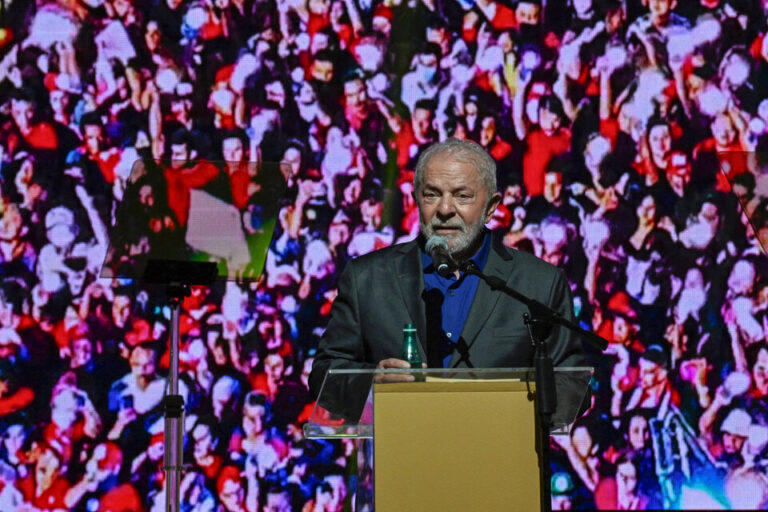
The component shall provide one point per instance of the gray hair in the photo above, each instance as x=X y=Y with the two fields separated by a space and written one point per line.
x=463 y=151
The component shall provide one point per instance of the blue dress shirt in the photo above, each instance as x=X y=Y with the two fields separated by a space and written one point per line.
x=448 y=301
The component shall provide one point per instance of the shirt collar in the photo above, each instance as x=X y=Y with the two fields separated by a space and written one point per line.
x=480 y=257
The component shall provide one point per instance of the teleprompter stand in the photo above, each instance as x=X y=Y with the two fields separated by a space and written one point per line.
x=177 y=277
x=218 y=241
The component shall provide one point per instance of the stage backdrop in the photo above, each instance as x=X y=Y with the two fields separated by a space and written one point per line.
x=628 y=138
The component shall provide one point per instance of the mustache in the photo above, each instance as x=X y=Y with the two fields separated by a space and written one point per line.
x=437 y=224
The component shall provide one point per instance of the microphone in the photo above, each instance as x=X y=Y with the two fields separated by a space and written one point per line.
x=437 y=247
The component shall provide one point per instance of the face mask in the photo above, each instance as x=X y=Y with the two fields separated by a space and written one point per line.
x=427 y=73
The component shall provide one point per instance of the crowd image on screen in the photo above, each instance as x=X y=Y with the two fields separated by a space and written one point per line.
x=631 y=138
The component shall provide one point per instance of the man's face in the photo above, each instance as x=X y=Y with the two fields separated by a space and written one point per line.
x=723 y=131
x=179 y=155
x=650 y=373
x=742 y=278
x=453 y=202
x=760 y=373
x=548 y=121
x=553 y=186
x=513 y=194
x=232 y=149
x=660 y=9
x=253 y=420
x=318 y=6
x=638 y=432
x=142 y=363
x=231 y=496
x=554 y=236
x=203 y=440
x=59 y=101
x=626 y=478
x=487 y=131
x=274 y=367
x=277 y=502
x=354 y=95
x=10 y=223
x=732 y=444
x=121 y=310
x=13 y=440
x=82 y=352
x=322 y=70
x=338 y=233
x=76 y=280
x=421 y=121
x=582 y=7
x=679 y=178
x=276 y=92
x=152 y=36
x=660 y=142
x=21 y=111
x=646 y=210
x=382 y=25
x=370 y=211
x=621 y=329
x=6 y=312
x=426 y=66
x=582 y=442
x=46 y=468
x=527 y=13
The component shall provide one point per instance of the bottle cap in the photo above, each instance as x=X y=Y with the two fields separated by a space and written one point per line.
x=409 y=328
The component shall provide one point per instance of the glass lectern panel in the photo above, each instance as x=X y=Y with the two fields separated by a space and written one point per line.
x=197 y=211
x=344 y=406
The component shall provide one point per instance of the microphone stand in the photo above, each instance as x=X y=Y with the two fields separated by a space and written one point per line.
x=540 y=320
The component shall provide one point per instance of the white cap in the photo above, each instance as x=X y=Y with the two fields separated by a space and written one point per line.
x=737 y=423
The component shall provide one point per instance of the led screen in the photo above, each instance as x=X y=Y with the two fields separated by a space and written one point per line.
x=630 y=138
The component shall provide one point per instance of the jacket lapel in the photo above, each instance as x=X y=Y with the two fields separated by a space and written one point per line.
x=499 y=264
x=410 y=280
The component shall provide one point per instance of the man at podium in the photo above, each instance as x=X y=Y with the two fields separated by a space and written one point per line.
x=460 y=320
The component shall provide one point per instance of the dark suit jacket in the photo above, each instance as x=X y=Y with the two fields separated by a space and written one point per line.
x=381 y=291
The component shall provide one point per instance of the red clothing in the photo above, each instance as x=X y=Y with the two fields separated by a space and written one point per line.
x=500 y=149
x=17 y=401
x=609 y=128
x=404 y=140
x=541 y=149
x=181 y=181
x=317 y=22
x=42 y=136
x=107 y=161
x=733 y=161
x=122 y=498
x=51 y=499
x=212 y=470
x=504 y=19
x=238 y=182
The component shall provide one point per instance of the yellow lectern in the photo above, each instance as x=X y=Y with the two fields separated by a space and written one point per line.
x=447 y=440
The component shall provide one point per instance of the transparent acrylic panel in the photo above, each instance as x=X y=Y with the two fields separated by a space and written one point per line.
x=344 y=406
x=197 y=211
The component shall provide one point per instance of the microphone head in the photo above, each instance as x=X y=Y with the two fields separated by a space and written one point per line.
x=434 y=242
x=437 y=247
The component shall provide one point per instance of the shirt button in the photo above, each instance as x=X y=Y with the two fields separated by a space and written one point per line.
x=451 y=294
x=448 y=334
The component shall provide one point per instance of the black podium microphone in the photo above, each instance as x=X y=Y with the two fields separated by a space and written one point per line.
x=437 y=248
